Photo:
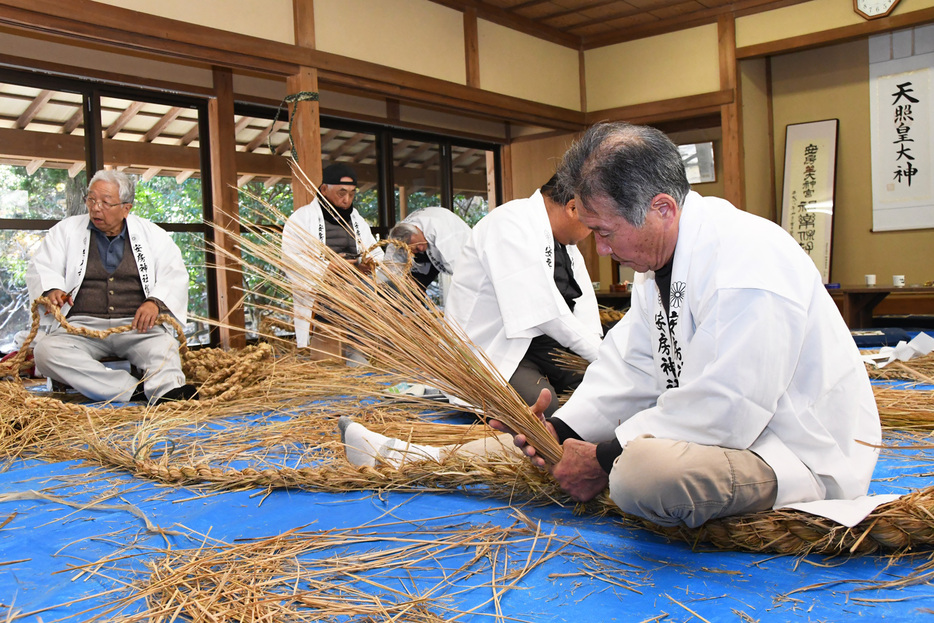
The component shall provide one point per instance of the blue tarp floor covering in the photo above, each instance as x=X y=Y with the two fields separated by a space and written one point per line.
x=577 y=568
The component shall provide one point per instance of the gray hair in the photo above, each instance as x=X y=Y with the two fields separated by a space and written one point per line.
x=403 y=231
x=125 y=185
x=628 y=164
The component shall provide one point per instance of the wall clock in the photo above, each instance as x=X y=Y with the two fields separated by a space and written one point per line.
x=872 y=9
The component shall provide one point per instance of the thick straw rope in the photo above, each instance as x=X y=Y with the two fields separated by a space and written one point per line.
x=18 y=363
x=221 y=375
x=898 y=527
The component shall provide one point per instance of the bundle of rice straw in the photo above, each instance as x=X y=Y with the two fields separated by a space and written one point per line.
x=382 y=314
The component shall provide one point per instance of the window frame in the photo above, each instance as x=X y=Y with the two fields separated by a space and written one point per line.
x=91 y=92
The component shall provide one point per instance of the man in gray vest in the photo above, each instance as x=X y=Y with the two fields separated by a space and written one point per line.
x=105 y=269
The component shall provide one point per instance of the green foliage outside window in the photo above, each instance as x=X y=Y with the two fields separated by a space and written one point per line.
x=261 y=205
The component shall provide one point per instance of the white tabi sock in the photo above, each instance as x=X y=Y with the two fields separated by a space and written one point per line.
x=365 y=447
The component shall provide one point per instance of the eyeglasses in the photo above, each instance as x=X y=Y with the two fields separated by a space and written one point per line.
x=343 y=193
x=90 y=202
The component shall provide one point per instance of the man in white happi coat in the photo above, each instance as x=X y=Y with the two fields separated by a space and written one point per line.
x=521 y=292
x=436 y=237
x=733 y=384
x=105 y=269
x=338 y=225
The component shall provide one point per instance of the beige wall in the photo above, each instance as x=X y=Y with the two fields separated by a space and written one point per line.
x=266 y=19
x=757 y=170
x=832 y=82
x=513 y=63
x=806 y=18
x=412 y=35
x=652 y=69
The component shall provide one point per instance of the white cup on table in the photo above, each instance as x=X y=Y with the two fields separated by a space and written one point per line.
x=898 y=280
x=870 y=280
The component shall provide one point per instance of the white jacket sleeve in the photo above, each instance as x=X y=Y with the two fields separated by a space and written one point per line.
x=571 y=333
x=620 y=383
x=46 y=271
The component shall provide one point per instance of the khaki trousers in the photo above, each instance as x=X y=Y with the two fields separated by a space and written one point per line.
x=677 y=482
x=672 y=482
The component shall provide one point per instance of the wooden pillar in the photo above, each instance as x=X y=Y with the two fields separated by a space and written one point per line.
x=306 y=139
x=505 y=153
x=731 y=122
x=471 y=47
x=226 y=208
x=305 y=114
x=403 y=202
x=306 y=134
x=582 y=74
x=490 y=180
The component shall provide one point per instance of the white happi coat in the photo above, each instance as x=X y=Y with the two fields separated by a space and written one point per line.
x=307 y=224
x=753 y=355
x=446 y=234
x=62 y=257
x=503 y=293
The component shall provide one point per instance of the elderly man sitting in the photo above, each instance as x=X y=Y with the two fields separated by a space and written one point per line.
x=107 y=269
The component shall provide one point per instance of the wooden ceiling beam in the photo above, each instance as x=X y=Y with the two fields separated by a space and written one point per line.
x=528 y=4
x=262 y=165
x=412 y=155
x=73 y=122
x=34 y=165
x=329 y=136
x=263 y=135
x=513 y=21
x=33 y=145
x=369 y=151
x=190 y=136
x=125 y=117
x=41 y=99
x=150 y=173
x=344 y=147
x=162 y=124
x=463 y=157
x=242 y=123
x=577 y=9
x=660 y=26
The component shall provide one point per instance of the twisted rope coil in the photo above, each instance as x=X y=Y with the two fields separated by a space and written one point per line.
x=898 y=527
x=221 y=375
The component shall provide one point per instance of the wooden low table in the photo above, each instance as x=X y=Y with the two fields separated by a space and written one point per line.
x=860 y=301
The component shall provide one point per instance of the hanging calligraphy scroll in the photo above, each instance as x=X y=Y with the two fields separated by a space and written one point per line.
x=902 y=114
x=808 y=190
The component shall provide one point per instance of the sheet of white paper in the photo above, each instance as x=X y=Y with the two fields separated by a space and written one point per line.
x=845 y=512
x=921 y=345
